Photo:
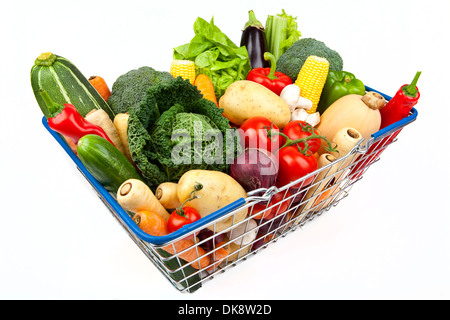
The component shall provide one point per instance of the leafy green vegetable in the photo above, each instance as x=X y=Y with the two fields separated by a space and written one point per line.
x=130 y=88
x=281 y=32
x=215 y=55
x=293 y=59
x=175 y=130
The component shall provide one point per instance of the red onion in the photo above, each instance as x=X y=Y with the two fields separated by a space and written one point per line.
x=211 y=239
x=255 y=169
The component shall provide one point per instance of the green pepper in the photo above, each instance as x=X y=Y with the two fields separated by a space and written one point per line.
x=339 y=84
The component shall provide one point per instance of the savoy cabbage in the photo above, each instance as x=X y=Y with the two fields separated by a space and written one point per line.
x=175 y=130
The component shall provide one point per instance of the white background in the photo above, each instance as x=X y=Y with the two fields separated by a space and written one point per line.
x=388 y=240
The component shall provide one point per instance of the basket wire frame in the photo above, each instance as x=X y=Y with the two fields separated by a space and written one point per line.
x=187 y=279
x=301 y=203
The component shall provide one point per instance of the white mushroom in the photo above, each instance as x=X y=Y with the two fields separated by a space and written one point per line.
x=304 y=103
x=290 y=95
x=303 y=115
x=244 y=233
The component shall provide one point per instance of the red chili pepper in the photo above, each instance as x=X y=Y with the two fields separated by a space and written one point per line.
x=401 y=104
x=66 y=120
x=395 y=110
x=268 y=77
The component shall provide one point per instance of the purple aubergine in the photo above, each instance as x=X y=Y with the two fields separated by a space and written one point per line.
x=255 y=169
x=254 y=39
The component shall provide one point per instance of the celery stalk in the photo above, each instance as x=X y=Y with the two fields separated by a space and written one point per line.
x=281 y=32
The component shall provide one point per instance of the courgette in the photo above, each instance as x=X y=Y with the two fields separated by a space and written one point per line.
x=105 y=162
x=186 y=277
x=65 y=84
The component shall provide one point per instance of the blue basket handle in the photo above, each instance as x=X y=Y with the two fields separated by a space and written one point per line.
x=125 y=217
x=397 y=125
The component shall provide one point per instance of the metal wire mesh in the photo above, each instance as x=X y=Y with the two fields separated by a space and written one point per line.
x=267 y=221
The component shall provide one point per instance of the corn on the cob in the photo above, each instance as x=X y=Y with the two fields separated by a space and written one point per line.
x=311 y=79
x=183 y=68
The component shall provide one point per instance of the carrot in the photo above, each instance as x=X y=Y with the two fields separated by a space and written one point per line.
x=206 y=87
x=220 y=253
x=191 y=254
x=71 y=144
x=155 y=225
x=150 y=223
x=100 y=85
x=324 y=199
x=134 y=195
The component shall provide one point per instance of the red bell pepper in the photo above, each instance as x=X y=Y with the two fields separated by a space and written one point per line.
x=66 y=120
x=395 y=110
x=268 y=77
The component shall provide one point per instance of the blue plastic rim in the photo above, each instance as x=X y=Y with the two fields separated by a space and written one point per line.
x=124 y=216
x=208 y=220
x=393 y=127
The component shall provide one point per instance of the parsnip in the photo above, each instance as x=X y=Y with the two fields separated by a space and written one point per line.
x=345 y=139
x=102 y=119
x=321 y=181
x=166 y=193
x=134 y=195
x=121 y=125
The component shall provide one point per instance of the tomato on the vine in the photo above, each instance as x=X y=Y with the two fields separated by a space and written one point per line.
x=299 y=130
x=254 y=133
x=182 y=217
x=294 y=165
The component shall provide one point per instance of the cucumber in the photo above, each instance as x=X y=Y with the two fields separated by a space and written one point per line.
x=192 y=282
x=105 y=162
x=65 y=84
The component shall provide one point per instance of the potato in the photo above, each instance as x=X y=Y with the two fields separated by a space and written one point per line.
x=246 y=99
x=219 y=190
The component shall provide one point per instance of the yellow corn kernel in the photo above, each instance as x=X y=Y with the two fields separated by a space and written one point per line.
x=311 y=79
x=184 y=69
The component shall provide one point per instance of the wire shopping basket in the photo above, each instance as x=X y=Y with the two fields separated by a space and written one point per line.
x=271 y=214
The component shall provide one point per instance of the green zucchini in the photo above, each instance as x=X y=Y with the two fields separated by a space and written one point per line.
x=65 y=84
x=192 y=282
x=105 y=162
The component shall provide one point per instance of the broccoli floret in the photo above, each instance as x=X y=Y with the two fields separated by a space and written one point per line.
x=130 y=89
x=295 y=56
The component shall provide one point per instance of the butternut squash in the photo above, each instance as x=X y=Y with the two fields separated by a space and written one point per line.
x=355 y=111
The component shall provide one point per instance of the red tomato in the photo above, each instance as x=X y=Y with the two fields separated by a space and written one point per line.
x=178 y=220
x=284 y=205
x=295 y=165
x=254 y=133
x=277 y=210
x=295 y=131
x=259 y=207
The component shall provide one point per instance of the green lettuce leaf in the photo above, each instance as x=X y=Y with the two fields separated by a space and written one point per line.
x=215 y=55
